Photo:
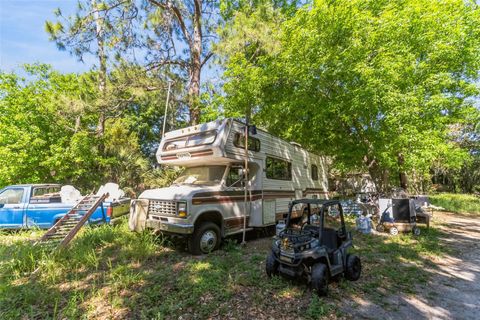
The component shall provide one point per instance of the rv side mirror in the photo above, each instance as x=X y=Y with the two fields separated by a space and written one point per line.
x=2 y=205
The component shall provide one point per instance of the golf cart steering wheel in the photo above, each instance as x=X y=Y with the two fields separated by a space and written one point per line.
x=307 y=230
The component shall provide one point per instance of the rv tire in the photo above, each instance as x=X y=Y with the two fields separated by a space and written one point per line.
x=205 y=239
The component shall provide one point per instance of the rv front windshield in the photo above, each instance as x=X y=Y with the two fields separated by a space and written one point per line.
x=205 y=175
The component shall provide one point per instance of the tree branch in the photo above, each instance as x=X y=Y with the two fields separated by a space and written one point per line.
x=178 y=15
x=207 y=57
x=198 y=17
x=155 y=65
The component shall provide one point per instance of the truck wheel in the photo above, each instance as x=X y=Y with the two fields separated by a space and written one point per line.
x=320 y=279
x=271 y=266
x=353 y=268
x=205 y=239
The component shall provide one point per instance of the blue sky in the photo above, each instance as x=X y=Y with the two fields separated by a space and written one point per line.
x=24 y=40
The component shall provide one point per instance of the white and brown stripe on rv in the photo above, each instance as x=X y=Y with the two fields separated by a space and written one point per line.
x=193 y=154
x=234 y=196
x=236 y=222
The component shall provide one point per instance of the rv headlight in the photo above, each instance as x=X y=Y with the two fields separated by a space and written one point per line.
x=182 y=209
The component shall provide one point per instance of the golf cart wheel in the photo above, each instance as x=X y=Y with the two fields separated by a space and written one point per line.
x=416 y=231
x=353 y=268
x=393 y=231
x=205 y=239
x=320 y=279
x=271 y=266
x=380 y=228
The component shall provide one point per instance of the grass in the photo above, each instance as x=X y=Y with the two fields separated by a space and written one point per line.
x=458 y=203
x=109 y=272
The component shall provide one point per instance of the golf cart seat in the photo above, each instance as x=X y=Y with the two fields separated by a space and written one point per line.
x=329 y=239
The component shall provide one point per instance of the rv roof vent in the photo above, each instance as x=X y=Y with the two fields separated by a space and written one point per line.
x=293 y=143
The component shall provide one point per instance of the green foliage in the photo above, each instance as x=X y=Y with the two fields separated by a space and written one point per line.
x=48 y=128
x=459 y=203
x=376 y=85
x=318 y=308
x=467 y=178
x=38 y=142
x=111 y=271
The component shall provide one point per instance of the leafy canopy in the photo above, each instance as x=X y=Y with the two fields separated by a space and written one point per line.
x=376 y=84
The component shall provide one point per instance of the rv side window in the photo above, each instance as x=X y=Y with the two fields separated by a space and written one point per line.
x=253 y=143
x=278 y=169
x=314 y=172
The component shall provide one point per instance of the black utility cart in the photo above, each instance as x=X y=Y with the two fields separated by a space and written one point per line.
x=315 y=246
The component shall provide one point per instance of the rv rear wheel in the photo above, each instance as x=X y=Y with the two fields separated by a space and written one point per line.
x=380 y=228
x=205 y=238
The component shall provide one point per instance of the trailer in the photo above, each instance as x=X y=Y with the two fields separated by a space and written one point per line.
x=207 y=201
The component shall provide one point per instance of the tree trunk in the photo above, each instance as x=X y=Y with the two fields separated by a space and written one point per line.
x=385 y=180
x=195 y=65
x=194 y=90
x=378 y=175
x=102 y=76
x=78 y=123
x=402 y=174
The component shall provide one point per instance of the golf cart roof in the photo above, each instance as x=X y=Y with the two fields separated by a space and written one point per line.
x=322 y=202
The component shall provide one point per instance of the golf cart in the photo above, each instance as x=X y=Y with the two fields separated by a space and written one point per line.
x=316 y=247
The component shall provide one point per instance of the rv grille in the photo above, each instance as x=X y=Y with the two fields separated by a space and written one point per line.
x=159 y=207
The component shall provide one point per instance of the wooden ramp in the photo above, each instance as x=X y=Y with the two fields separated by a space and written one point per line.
x=68 y=226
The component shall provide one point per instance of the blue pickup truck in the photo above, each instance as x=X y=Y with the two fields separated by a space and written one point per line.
x=40 y=205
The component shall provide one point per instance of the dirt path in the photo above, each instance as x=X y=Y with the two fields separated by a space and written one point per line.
x=454 y=289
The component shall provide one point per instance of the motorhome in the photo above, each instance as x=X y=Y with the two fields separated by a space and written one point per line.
x=207 y=201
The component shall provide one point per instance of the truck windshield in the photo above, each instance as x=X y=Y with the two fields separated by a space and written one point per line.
x=206 y=175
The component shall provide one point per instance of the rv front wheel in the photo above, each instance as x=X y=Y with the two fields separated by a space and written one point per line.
x=205 y=238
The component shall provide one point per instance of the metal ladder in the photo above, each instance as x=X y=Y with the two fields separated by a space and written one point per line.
x=68 y=226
